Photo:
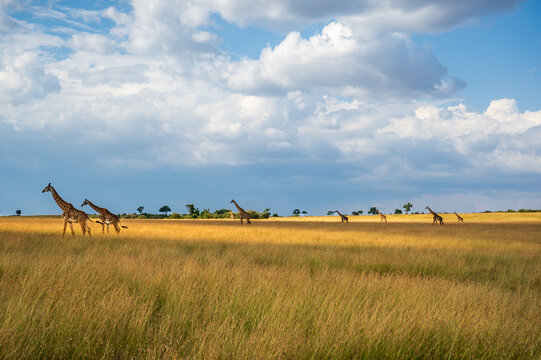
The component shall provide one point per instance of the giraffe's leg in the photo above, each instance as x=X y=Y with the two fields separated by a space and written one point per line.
x=88 y=229
x=102 y=228
x=117 y=228
x=65 y=225
x=248 y=220
x=107 y=228
x=83 y=227
x=71 y=228
x=241 y=217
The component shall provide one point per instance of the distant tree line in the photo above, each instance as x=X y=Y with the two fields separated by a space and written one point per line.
x=374 y=211
x=193 y=212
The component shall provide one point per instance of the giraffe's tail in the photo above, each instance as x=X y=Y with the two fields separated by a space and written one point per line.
x=99 y=222
x=125 y=227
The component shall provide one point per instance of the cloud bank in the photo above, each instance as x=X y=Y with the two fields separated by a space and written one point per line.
x=149 y=86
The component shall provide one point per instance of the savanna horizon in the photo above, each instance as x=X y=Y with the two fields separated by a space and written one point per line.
x=296 y=287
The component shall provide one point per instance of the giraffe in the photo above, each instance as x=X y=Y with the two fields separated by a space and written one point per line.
x=460 y=220
x=106 y=217
x=381 y=216
x=437 y=217
x=242 y=213
x=232 y=215
x=69 y=213
x=342 y=217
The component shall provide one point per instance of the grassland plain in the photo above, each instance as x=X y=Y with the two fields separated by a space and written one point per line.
x=288 y=288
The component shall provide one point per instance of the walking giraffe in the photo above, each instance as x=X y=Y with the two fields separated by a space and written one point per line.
x=232 y=215
x=460 y=220
x=69 y=213
x=106 y=217
x=437 y=217
x=342 y=217
x=242 y=214
x=382 y=217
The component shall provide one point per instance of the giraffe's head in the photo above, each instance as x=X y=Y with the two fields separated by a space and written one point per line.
x=84 y=203
x=232 y=201
x=427 y=208
x=47 y=188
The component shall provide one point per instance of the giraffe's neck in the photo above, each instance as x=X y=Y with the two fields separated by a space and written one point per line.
x=432 y=212
x=238 y=207
x=96 y=208
x=62 y=204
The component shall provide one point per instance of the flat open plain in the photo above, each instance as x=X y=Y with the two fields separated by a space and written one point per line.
x=279 y=288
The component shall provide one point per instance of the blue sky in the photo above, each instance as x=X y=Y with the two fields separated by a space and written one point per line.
x=283 y=105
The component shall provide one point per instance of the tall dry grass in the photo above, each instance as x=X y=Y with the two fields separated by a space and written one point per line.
x=276 y=289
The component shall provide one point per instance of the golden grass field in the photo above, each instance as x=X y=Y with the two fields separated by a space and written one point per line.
x=279 y=288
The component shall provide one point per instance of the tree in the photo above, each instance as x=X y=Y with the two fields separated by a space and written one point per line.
x=354 y=213
x=296 y=212
x=360 y=212
x=330 y=212
x=140 y=209
x=397 y=211
x=407 y=207
x=373 y=210
x=304 y=212
x=192 y=210
x=165 y=209
x=266 y=213
x=222 y=213
x=18 y=212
